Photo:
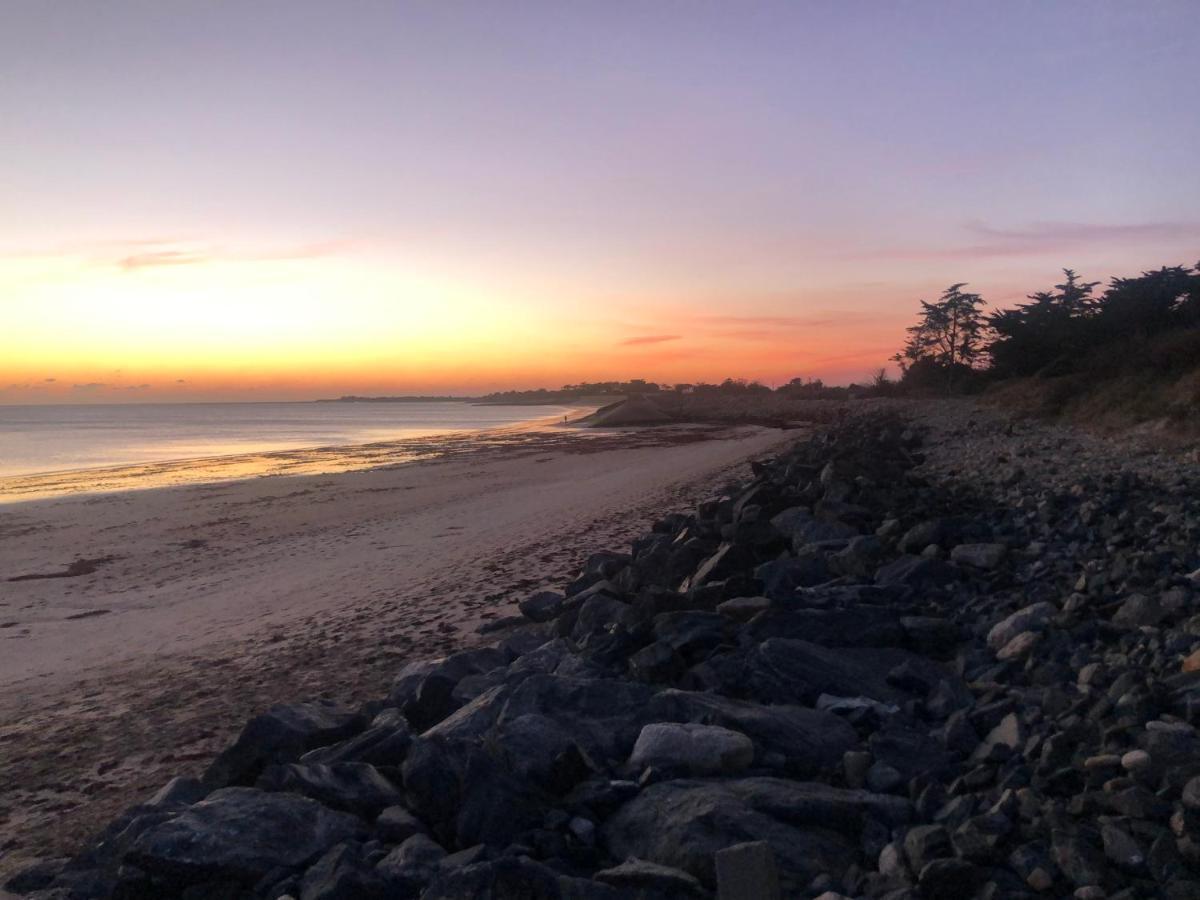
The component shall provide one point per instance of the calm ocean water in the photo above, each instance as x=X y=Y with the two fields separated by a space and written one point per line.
x=58 y=438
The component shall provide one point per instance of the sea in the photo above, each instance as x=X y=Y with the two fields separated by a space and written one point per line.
x=63 y=438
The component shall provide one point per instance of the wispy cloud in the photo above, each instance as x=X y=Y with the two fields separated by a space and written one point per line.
x=650 y=339
x=156 y=258
x=138 y=254
x=90 y=386
x=1038 y=238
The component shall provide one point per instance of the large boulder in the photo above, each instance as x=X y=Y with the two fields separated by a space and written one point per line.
x=599 y=714
x=354 y=787
x=808 y=740
x=813 y=828
x=240 y=834
x=280 y=735
x=800 y=528
x=792 y=671
x=691 y=748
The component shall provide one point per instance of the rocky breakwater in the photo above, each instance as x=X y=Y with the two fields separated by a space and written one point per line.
x=845 y=678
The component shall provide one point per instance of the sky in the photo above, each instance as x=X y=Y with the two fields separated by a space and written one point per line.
x=286 y=200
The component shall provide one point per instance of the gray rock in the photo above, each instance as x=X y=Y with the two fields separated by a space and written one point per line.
x=1032 y=618
x=979 y=556
x=396 y=824
x=691 y=748
x=808 y=740
x=414 y=863
x=542 y=606
x=282 y=734
x=801 y=528
x=811 y=827
x=354 y=787
x=1007 y=736
x=635 y=875
x=1139 y=610
x=240 y=834
x=743 y=608
x=747 y=872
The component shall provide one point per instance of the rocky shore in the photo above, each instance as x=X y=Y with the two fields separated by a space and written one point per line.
x=917 y=656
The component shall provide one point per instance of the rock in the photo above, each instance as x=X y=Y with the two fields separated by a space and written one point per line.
x=809 y=740
x=540 y=750
x=379 y=745
x=179 y=791
x=921 y=535
x=280 y=735
x=1122 y=850
x=801 y=528
x=792 y=671
x=1032 y=618
x=979 y=556
x=743 y=609
x=1139 y=610
x=396 y=824
x=413 y=864
x=811 y=827
x=1001 y=740
x=595 y=712
x=354 y=787
x=542 y=606
x=341 y=874
x=925 y=843
x=1019 y=647
x=747 y=872
x=510 y=878
x=240 y=834
x=947 y=879
x=915 y=571
x=695 y=749
x=634 y=875
x=1191 y=662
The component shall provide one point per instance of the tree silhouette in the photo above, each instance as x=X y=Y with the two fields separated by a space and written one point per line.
x=947 y=337
x=1051 y=329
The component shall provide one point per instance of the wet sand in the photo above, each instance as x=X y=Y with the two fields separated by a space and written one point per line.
x=156 y=621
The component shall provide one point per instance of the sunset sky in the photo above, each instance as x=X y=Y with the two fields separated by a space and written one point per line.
x=278 y=200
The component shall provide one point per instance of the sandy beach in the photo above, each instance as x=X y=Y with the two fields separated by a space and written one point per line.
x=139 y=628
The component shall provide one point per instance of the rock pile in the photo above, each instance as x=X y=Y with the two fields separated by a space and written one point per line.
x=845 y=678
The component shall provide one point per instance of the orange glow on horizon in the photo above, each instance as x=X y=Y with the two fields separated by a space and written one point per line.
x=177 y=325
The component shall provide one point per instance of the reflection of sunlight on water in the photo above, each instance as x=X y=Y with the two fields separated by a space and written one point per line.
x=215 y=462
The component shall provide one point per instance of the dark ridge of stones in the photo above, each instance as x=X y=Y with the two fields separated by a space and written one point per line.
x=908 y=659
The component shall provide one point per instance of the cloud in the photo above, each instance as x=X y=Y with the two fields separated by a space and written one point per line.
x=49 y=380
x=90 y=386
x=135 y=387
x=650 y=339
x=181 y=381
x=156 y=258
x=1039 y=238
x=175 y=254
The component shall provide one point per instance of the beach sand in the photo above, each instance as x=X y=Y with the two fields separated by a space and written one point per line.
x=159 y=620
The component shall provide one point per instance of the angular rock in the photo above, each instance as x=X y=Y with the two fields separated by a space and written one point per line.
x=811 y=827
x=354 y=787
x=1032 y=618
x=240 y=834
x=636 y=875
x=747 y=872
x=542 y=606
x=280 y=735
x=694 y=749
x=979 y=556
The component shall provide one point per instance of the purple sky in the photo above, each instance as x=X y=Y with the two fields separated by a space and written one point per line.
x=626 y=167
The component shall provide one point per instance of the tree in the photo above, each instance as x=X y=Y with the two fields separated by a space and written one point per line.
x=1053 y=329
x=948 y=336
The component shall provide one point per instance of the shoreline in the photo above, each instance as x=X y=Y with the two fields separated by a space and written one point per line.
x=315 y=460
x=224 y=598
